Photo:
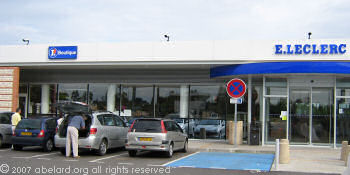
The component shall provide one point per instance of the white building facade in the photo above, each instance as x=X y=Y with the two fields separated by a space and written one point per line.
x=297 y=89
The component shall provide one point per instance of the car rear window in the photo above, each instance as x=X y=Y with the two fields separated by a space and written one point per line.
x=147 y=126
x=29 y=124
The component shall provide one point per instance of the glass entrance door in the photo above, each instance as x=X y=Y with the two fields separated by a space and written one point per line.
x=322 y=115
x=311 y=124
x=299 y=117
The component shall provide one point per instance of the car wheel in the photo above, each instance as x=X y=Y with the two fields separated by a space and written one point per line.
x=17 y=147
x=185 y=147
x=63 y=151
x=171 y=150
x=102 y=150
x=48 y=146
x=132 y=153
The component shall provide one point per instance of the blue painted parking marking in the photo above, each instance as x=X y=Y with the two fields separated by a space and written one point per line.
x=221 y=160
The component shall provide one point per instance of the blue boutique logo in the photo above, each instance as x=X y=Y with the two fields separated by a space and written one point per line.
x=298 y=49
x=63 y=52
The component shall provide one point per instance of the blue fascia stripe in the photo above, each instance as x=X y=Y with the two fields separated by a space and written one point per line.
x=326 y=67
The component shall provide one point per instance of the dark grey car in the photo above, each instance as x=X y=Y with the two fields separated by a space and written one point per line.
x=5 y=128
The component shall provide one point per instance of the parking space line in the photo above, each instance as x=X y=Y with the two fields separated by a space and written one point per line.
x=71 y=160
x=97 y=160
x=186 y=166
x=41 y=155
x=43 y=158
x=180 y=158
x=5 y=150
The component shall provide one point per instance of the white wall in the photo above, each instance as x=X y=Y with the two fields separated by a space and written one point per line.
x=203 y=52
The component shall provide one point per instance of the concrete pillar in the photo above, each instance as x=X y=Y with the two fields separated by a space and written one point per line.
x=284 y=151
x=184 y=96
x=343 y=150
x=111 y=92
x=203 y=133
x=45 y=98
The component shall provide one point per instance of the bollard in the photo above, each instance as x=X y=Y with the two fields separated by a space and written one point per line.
x=346 y=156
x=284 y=151
x=344 y=144
x=203 y=134
x=277 y=154
x=230 y=132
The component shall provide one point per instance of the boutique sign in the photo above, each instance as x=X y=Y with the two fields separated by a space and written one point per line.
x=314 y=49
x=63 y=52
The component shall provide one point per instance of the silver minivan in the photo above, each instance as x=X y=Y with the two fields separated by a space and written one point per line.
x=5 y=128
x=156 y=135
x=104 y=130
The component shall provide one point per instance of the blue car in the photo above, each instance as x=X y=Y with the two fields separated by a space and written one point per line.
x=35 y=132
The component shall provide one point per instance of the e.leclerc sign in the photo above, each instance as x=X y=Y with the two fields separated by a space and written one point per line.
x=63 y=52
x=315 y=49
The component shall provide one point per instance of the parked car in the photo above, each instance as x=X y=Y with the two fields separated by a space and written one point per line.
x=5 y=128
x=35 y=132
x=156 y=135
x=214 y=128
x=186 y=125
x=103 y=130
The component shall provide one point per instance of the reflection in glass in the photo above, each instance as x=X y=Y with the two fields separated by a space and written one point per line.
x=98 y=96
x=322 y=118
x=168 y=102
x=213 y=128
x=72 y=92
x=208 y=102
x=343 y=120
x=137 y=101
x=275 y=123
x=35 y=99
x=299 y=115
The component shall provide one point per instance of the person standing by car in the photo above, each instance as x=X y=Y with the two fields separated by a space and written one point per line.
x=74 y=124
x=15 y=118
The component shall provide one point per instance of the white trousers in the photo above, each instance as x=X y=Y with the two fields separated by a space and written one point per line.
x=72 y=139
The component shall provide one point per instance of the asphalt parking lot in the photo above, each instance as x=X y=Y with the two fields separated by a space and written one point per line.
x=31 y=160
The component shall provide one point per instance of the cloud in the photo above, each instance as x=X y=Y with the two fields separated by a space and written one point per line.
x=62 y=21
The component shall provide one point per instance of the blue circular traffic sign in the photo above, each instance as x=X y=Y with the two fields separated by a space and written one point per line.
x=236 y=88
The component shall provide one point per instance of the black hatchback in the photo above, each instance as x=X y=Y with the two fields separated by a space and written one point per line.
x=35 y=132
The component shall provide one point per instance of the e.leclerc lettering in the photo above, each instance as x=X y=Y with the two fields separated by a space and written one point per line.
x=298 y=49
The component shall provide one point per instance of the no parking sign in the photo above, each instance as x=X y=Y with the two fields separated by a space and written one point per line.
x=236 y=88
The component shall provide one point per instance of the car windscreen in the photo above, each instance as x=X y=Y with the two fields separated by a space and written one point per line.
x=29 y=124
x=209 y=122
x=147 y=126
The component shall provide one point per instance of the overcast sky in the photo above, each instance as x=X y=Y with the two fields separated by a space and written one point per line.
x=90 y=21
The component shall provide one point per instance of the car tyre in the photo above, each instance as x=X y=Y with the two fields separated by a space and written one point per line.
x=17 y=147
x=48 y=146
x=132 y=153
x=170 y=152
x=185 y=149
x=102 y=149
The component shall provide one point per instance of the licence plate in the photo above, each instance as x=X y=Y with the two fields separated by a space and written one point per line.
x=146 y=139
x=26 y=133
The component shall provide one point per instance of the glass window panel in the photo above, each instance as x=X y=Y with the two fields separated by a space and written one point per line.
x=275 y=126
x=343 y=120
x=73 y=92
x=34 y=106
x=98 y=97
x=137 y=101
x=276 y=86
x=208 y=102
x=214 y=129
x=168 y=102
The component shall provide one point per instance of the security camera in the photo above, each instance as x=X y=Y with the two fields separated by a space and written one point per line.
x=26 y=41
x=167 y=37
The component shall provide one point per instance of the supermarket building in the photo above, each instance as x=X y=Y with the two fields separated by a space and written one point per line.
x=297 y=89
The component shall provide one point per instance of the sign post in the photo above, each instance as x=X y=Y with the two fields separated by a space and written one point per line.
x=236 y=88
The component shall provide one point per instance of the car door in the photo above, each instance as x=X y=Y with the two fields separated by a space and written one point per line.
x=180 y=136
x=170 y=131
x=121 y=130
x=50 y=126
x=111 y=129
x=6 y=126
